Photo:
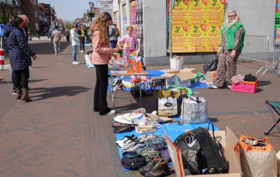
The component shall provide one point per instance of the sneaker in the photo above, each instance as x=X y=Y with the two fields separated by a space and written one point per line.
x=136 y=146
x=126 y=138
x=112 y=112
x=149 y=166
x=211 y=85
x=160 y=169
x=14 y=92
x=82 y=51
x=55 y=54
x=59 y=53
x=75 y=63
x=129 y=144
x=229 y=87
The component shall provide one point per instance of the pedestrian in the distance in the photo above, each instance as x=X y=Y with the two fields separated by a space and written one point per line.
x=67 y=34
x=75 y=43
x=38 y=33
x=19 y=55
x=113 y=35
x=29 y=35
x=232 y=34
x=100 y=58
x=56 y=35
x=82 y=35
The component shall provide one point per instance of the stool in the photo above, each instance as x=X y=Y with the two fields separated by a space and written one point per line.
x=154 y=82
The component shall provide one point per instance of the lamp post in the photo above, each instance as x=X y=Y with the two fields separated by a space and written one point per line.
x=91 y=5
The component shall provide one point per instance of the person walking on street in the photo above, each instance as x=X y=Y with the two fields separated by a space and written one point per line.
x=38 y=33
x=100 y=58
x=113 y=35
x=29 y=35
x=82 y=36
x=75 y=44
x=232 y=43
x=19 y=55
x=56 y=35
x=67 y=34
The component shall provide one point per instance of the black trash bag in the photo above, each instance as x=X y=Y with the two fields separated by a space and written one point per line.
x=212 y=66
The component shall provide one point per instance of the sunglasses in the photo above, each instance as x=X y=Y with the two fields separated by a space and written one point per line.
x=231 y=16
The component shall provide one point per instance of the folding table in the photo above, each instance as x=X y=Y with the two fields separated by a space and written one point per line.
x=123 y=73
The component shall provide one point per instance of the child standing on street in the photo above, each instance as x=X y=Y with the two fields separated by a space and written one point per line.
x=129 y=39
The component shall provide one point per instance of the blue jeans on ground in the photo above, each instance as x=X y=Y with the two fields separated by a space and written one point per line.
x=82 y=44
x=74 y=54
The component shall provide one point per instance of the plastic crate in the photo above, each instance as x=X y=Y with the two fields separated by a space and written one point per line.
x=247 y=87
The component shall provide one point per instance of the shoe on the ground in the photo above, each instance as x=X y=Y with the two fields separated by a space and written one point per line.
x=126 y=138
x=82 y=51
x=136 y=146
x=55 y=54
x=229 y=87
x=75 y=63
x=112 y=112
x=128 y=144
x=14 y=92
x=211 y=85
x=19 y=93
x=59 y=53
x=26 y=96
x=1 y=78
x=128 y=141
x=159 y=170
x=153 y=161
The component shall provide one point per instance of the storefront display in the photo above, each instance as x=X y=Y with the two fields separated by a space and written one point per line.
x=196 y=25
x=133 y=17
x=124 y=19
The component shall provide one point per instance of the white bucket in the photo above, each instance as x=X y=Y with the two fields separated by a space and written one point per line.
x=87 y=57
x=176 y=64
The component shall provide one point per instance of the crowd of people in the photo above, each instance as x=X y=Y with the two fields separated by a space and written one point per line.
x=104 y=37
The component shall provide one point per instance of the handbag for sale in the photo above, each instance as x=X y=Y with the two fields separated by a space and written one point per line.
x=179 y=94
x=194 y=110
x=212 y=66
x=258 y=158
x=210 y=155
x=167 y=106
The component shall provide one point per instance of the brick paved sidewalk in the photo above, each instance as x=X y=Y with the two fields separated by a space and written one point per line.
x=58 y=134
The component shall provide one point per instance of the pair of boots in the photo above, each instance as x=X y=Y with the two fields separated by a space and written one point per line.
x=157 y=167
x=23 y=96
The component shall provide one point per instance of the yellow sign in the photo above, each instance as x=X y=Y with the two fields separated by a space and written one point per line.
x=196 y=25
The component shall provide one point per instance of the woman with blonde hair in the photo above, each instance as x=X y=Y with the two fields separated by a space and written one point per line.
x=100 y=58
x=232 y=43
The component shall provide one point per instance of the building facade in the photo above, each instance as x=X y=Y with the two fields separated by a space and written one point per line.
x=257 y=16
x=30 y=8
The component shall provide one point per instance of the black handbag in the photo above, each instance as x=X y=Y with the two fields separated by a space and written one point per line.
x=210 y=156
x=212 y=66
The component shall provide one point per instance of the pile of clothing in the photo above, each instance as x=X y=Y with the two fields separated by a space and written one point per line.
x=241 y=78
x=148 y=154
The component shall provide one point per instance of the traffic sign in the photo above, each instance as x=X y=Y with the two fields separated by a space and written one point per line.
x=2 y=29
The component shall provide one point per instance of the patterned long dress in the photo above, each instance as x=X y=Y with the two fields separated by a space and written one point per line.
x=227 y=65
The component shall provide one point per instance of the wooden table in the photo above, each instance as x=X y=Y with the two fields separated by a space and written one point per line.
x=114 y=74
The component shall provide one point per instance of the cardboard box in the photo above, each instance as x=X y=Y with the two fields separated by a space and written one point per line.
x=228 y=151
x=180 y=78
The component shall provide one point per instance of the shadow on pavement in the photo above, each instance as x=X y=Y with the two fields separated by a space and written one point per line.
x=29 y=81
x=57 y=91
x=263 y=83
x=46 y=47
x=213 y=119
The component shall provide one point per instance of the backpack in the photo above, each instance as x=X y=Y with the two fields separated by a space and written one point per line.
x=117 y=33
x=210 y=155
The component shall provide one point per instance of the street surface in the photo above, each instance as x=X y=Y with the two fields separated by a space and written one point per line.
x=58 y=134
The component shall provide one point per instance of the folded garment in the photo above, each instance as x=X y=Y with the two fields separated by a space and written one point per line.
x=249 y=77
x=237 y=79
